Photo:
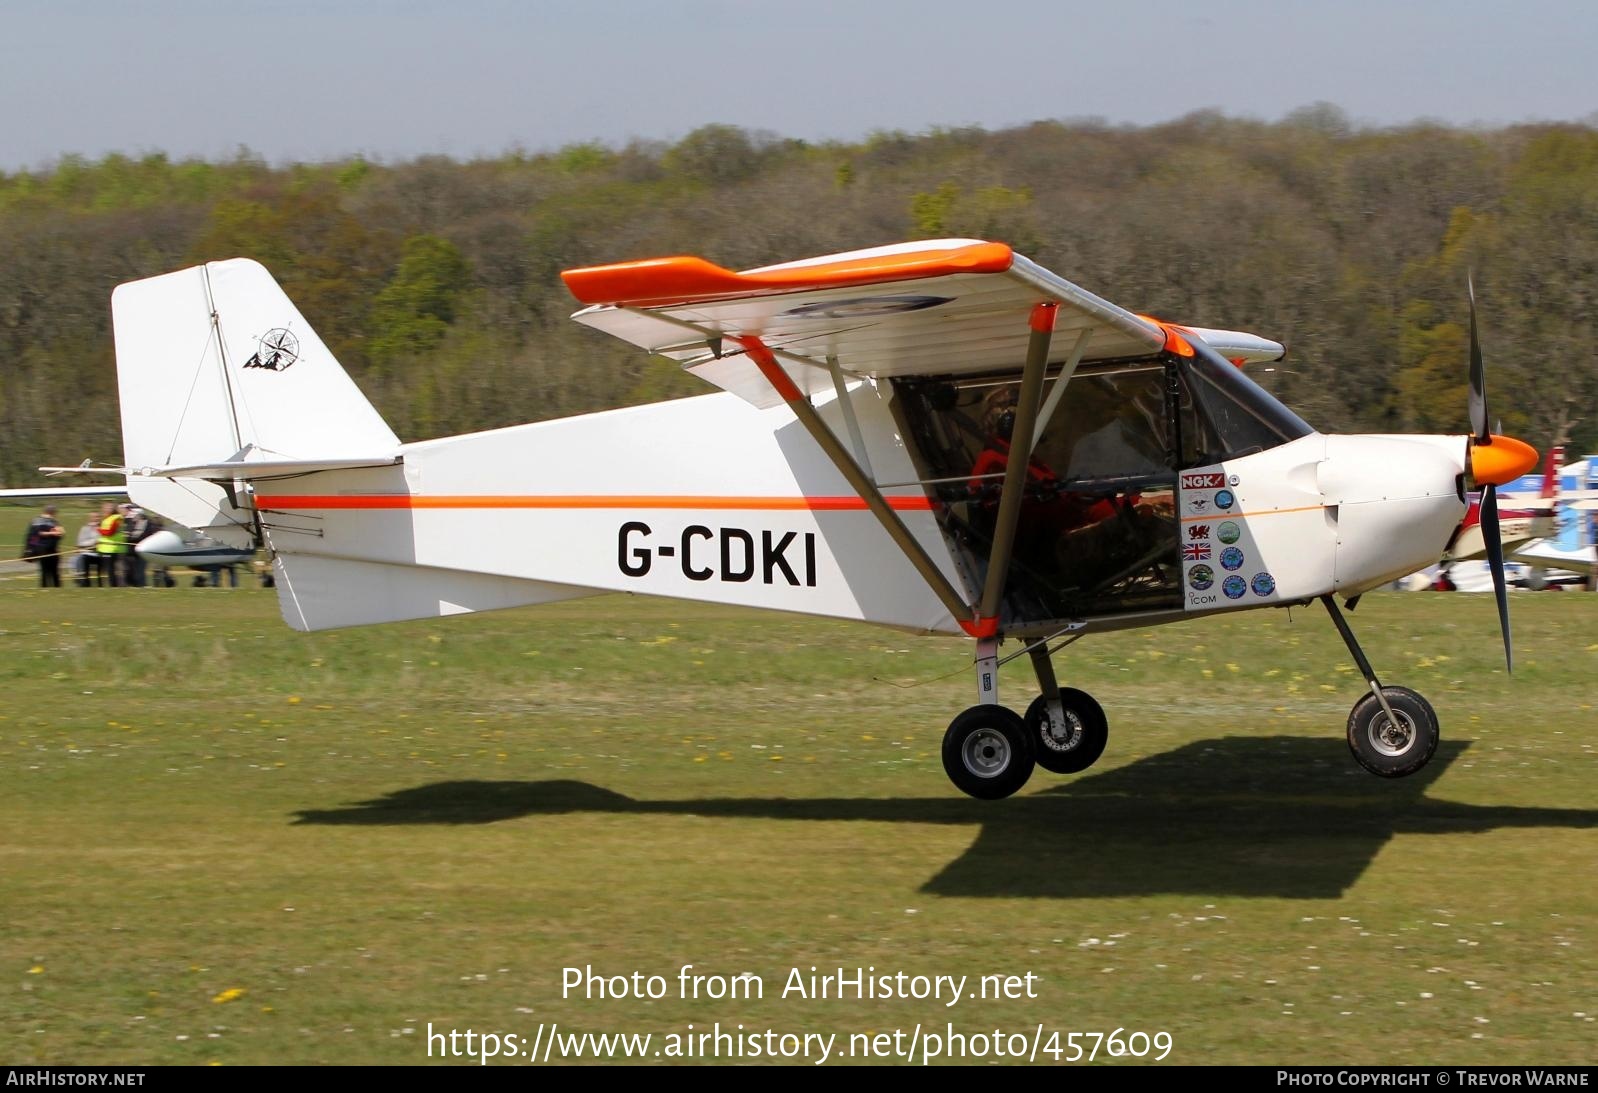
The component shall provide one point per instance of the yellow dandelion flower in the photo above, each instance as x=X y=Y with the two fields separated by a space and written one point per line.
x=232 y=994
x=294 y=700
x=37 y=969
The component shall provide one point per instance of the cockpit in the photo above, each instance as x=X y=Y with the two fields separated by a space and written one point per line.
x=1099 y=529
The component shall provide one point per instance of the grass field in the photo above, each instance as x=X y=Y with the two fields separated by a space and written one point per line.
x=228 y=842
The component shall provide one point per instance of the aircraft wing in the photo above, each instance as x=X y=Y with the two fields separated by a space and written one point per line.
x=1545 y=554
x=937 y=307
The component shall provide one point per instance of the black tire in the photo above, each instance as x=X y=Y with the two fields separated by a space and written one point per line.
x=1090 y=732
x=1380 y=749
x=987 y=752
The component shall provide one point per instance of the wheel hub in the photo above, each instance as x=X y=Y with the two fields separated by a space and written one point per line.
x=1063 y=735
x=986 y=753
x=1391 y=739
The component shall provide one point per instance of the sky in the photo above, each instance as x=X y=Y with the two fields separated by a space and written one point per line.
x=295 y=80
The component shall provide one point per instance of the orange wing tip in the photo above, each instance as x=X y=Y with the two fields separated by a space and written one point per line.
x=653 y=282
x=1503 y=460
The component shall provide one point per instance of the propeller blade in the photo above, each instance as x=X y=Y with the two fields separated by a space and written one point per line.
x=1478 y=376
x=1495 y=561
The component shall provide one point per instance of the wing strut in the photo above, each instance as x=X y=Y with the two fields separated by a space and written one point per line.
x=1015 y=471
x=780 y=381
x=1066 y=372
x=846 y=404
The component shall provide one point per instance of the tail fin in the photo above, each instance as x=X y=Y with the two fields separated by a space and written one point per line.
x=1551 y=472
x=215 y=365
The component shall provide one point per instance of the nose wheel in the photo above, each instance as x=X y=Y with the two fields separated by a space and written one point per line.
x=1396 y=740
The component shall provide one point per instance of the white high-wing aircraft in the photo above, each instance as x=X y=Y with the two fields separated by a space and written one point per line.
x=857 y=464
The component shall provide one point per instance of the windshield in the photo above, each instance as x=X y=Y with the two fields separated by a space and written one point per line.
x=1226 y=415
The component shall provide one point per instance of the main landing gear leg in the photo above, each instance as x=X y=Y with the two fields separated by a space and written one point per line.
x=1393 y=730
x=1067 y=728
x=986 y=750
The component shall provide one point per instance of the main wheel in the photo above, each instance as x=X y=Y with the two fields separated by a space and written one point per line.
x=986 y=752
x=1079 y=746
x=1390 y=750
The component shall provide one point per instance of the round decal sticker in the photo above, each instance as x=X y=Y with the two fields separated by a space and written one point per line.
x=1201 y=577
x=1228 y=532
x=1234 y=587
x=1263 y=584
x=1231 y=558
x=1233 y=480
x=1224 y=499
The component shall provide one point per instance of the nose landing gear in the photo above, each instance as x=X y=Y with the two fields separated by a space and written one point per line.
x=1392 y=731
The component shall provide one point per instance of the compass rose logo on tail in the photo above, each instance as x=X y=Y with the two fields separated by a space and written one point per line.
x=279 y=349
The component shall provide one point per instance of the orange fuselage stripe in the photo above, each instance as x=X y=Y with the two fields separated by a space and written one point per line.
x=1222 y=514
x=580 y=501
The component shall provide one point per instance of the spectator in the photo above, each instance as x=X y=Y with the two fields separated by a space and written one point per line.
x=43 y=545
x=88 y=560
x=138 y=527
x=113 y=541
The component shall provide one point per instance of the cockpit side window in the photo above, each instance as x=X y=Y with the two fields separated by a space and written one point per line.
x=1096 y=531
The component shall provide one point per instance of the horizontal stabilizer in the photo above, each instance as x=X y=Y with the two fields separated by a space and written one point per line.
x=263 y=468
x=227 y=470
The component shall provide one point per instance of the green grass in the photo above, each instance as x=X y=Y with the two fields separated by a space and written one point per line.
x=369 y=830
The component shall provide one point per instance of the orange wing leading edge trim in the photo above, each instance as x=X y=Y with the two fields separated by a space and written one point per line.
x=660 y=281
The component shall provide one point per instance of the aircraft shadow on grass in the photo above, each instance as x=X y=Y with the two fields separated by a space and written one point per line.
x=1281 y=816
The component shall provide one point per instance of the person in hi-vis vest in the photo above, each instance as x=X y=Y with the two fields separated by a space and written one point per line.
x=113 y=545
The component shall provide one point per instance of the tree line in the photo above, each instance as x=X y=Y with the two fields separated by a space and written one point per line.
x=436 y=282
